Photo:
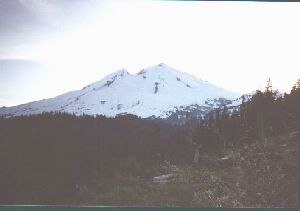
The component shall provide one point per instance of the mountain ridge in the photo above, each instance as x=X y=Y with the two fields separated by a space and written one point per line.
x=155 y=91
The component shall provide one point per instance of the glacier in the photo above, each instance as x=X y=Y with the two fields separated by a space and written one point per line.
x=156 y=91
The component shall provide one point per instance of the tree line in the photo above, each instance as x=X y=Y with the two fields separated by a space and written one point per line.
x=267 y=113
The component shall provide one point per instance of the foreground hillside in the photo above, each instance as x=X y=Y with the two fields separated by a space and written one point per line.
x=63 y=159
x=257 y=175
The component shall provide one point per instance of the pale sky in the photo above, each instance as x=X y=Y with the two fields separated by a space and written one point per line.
x=49 y=47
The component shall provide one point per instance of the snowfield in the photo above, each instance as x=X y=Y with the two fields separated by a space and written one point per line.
x=155 y=91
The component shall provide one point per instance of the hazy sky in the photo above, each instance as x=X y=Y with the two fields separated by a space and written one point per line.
x=48 y=47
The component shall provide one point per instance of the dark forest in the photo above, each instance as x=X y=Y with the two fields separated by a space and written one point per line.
x=247 y=158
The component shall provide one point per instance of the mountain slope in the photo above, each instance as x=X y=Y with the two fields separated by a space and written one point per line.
x=156 y=91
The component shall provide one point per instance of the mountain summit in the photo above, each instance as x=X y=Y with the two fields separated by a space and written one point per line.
x=156 y=91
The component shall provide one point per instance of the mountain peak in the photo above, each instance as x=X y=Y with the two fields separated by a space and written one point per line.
x=120 y=72
x=159 y=68
x=162 y=64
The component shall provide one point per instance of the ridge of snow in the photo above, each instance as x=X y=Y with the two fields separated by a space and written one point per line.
x=154 y=91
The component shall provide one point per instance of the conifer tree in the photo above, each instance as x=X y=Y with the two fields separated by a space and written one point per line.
x=243 y=113
x=210 y=122
x=269 y=87
x=224 y=124
x=268 y=107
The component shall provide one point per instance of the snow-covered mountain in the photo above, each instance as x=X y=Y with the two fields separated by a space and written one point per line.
x=157 y=91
